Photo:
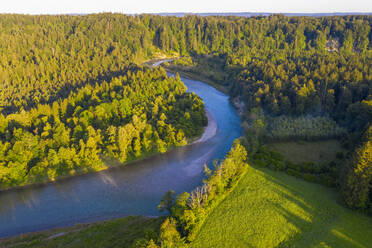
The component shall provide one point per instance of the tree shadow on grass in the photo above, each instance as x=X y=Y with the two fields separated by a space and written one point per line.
x=324 y=226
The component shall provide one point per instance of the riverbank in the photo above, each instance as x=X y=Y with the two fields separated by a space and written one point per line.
x=109 y=162
x=184 y=73
x=134 y=189
x=209 y=131
x=126 y=232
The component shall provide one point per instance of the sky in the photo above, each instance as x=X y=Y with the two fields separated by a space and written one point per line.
x=195 y=6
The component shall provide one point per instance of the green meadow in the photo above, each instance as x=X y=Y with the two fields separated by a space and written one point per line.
x=308 y=151
x=272 y=209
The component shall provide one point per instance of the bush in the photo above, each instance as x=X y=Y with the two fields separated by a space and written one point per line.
x=310 y=177
x=327 y=179
x=307 y=167
x=294 y=173
x=184 y=61
x=281 y=165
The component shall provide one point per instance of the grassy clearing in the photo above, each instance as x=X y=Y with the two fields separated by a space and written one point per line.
x=124 y=232
x=272 y=209
x=308 y=151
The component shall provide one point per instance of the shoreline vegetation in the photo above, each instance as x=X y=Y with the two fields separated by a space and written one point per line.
x=166 y=62
x=264 y=126
x=198 y=77
x=274 y=67
x=116 y=163
x=107 y=160
x=135 y=134
x=306 y=212
x=323 y=171
x=232 y=168
x=314 y=130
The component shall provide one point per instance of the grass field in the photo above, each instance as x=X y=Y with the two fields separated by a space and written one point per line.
x=308 y=151
x=124 y=232
x=271 y=209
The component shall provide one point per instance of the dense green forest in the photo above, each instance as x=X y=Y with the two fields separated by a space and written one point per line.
x=52 y=70
x=285 y=65
x=141 y=113
x=357 y=189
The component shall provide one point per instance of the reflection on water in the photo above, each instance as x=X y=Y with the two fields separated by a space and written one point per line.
x=196 y=166
x=107 y=179
x=134 y=189
x=9 y=200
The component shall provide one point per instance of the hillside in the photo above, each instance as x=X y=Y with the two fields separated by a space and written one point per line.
x=272 y=209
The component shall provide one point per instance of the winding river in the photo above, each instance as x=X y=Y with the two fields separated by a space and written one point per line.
x=135 y=189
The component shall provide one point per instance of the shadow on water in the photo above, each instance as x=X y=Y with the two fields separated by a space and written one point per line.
x=325 y=222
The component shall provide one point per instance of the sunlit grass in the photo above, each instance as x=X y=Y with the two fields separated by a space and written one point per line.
x=272 y=209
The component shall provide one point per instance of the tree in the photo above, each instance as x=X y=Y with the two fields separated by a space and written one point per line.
x=167 y=201
x=357 y=187
x=152 y=244
x=169 y=236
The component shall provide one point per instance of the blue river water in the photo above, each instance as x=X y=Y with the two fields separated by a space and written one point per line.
x=134 y=189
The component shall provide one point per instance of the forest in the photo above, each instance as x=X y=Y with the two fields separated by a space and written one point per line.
x=70 y=87
x=138 y=114
x=286 y=65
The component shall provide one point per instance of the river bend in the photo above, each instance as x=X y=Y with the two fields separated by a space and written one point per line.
x=135 y=189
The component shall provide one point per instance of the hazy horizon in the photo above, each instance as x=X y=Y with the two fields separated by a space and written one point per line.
x=191 y=6
x=182 y=14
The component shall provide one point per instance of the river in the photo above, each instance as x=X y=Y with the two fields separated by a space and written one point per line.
x=134 y=189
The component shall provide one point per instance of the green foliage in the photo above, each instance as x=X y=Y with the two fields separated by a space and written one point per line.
x=183 y=61
x=288 y=66
x=189 y=211
x=70 y=93
x=127 y=118
x=167 y=201
x=357 y=187
x=206 y=67
x=169 y=236
x=304 y=128
x=283 y=64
